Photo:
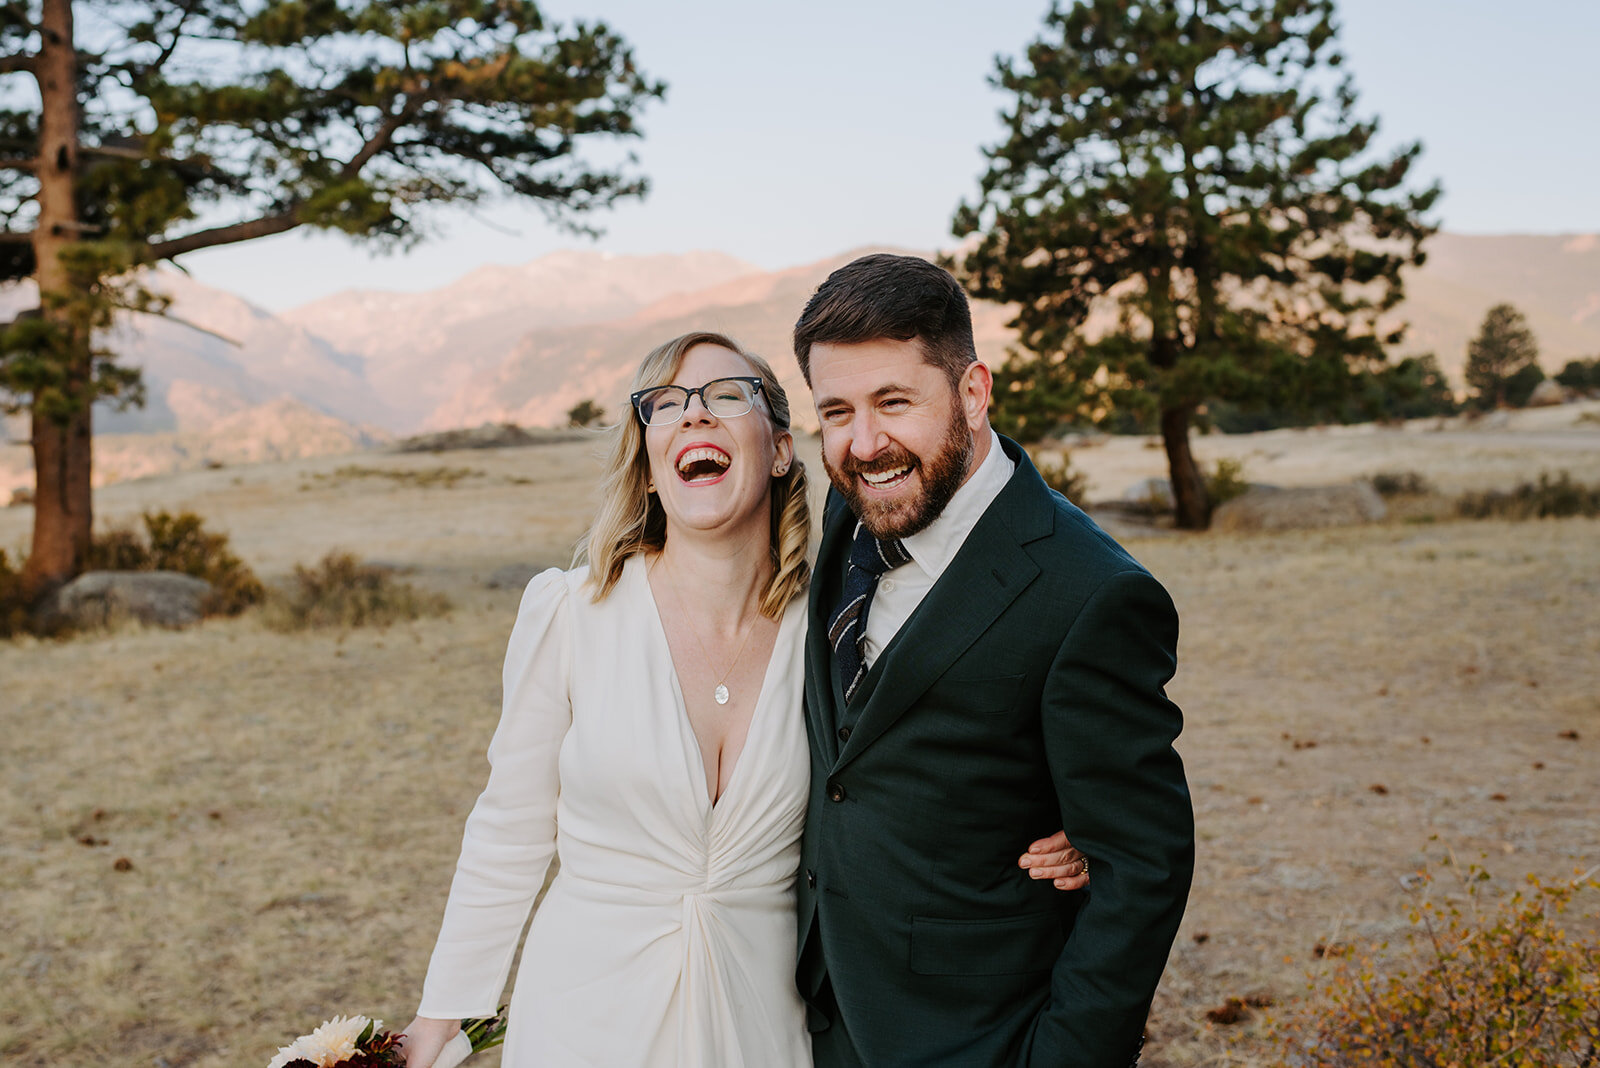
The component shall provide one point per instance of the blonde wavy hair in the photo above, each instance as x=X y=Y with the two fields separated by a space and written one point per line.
x=631 y=520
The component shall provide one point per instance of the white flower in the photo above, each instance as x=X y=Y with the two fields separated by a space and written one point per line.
x=329 y=1044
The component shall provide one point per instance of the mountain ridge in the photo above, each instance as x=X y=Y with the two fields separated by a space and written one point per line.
x=525 y=343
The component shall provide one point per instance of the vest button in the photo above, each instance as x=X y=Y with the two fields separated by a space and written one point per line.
x=844 y=734
x=835 y=792
x=811 y=879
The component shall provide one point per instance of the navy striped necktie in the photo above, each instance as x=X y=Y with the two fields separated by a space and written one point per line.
x=847 y=631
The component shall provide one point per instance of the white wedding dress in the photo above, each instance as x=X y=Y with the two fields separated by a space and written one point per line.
x=668 y=935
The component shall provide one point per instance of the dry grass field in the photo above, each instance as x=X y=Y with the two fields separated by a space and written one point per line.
x=214 y=839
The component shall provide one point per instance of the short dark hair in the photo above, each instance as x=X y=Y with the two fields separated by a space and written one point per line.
x=895 y=297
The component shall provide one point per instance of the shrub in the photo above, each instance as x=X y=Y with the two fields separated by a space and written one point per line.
x=585 y=413
x=1065 y=479
x=1226 y=481
x=180 y=543
x=1549 y=498
x=13 y=609
x=1520 y=386
x=1411 y=389
x=416 y=478
x=1583 y=375
x=1502 y=985
x=341 y=591
x=119 y=549
x=1401 y=484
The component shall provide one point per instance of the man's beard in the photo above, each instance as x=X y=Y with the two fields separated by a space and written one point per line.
x=940 y=476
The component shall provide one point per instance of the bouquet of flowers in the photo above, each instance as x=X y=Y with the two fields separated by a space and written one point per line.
x=361 y=1042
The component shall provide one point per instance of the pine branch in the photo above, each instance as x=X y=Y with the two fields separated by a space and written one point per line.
x=19 y=63
x=384 y=136
x=284 y=221
x=17 y=14
x=265 y=226
x=117 y=152
x=171 y=46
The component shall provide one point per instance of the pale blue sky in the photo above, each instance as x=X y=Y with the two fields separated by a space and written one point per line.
x=797 y=131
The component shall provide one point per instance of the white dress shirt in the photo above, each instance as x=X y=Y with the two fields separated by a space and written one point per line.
x=902 y=590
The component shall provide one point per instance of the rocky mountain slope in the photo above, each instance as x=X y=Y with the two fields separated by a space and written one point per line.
x=526 y=343
x=215 y=353
x=550 y=371
x=1554 y=280
x=419 y=349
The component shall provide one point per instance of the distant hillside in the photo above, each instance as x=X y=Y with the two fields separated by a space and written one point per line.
x=281 y=429
x=550 y=371
x=527 y=343
x=216 y=354
x=1554 y=280
x=421 y=348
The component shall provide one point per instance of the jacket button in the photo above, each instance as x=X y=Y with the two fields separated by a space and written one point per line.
x=835 y=792
x=811 y=879
x=844 y=734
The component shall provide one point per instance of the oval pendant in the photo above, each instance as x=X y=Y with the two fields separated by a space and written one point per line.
x=722 y=694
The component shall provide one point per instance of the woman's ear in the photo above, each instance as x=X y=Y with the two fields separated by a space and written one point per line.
x=783 y=447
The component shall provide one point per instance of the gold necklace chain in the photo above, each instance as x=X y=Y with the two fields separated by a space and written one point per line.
x=720 y=694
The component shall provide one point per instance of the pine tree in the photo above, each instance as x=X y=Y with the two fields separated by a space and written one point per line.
x=1503 y=357
x=1581 y=375
x=585 y=413
x=1186 y=207
x=155 y=128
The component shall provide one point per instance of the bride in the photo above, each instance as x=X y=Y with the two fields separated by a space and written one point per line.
x=651 y=737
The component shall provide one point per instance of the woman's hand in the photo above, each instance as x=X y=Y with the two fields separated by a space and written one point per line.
x=1055 y=858
x=424 y=1038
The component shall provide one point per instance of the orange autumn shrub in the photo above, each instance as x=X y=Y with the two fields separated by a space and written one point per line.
x=1487 y=984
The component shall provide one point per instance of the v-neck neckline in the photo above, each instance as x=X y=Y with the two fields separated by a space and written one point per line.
x=638 y=564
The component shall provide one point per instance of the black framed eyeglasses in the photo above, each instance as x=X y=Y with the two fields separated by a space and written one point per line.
x=725 y=398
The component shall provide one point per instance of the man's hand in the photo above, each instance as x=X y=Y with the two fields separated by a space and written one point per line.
x=1054 y=858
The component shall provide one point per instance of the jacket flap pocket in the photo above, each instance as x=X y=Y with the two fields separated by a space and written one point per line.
x=1010 y=946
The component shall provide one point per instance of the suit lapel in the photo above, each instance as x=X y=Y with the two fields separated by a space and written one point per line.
x=990 y=570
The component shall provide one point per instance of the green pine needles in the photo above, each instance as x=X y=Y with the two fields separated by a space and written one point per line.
x=164 y=127
x=1187 y=207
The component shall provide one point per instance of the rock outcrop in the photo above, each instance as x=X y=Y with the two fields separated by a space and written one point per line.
x=160 y=598
x=1302 y=508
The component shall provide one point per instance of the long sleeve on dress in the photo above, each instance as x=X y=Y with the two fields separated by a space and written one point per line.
x=510 y=835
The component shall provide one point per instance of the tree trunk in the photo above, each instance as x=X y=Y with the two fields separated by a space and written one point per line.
x=61 y=444
x=61 y=503
x=1193 y=506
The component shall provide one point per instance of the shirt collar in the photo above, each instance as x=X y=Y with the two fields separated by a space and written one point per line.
x=933 y=547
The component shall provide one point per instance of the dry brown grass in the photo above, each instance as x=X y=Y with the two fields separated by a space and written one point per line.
x=1441 y=663
x=291 y=803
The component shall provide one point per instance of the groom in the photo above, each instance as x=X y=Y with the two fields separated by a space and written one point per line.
x=984 y=665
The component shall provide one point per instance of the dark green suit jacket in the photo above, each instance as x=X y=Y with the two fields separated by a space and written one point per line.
x=1025 y=694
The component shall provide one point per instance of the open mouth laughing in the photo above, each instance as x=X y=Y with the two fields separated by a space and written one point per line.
x=887 y=480
x=701 y=465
